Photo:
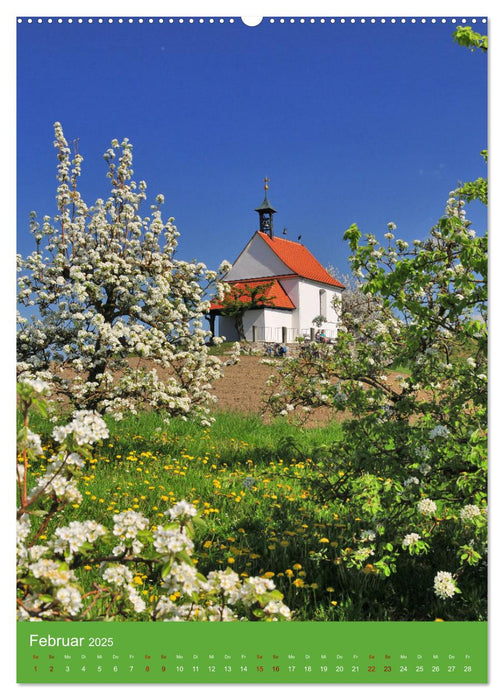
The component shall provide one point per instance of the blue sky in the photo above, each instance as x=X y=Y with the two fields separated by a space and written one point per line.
x=352 y=122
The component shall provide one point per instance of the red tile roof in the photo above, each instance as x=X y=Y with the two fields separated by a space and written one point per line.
x=300 y=260
x=276 y=295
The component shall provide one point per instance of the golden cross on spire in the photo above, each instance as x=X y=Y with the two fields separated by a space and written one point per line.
x=266 y=186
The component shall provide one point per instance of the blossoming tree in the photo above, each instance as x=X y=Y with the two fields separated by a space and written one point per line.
x=113 y=304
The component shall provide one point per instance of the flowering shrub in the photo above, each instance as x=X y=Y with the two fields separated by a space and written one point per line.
x=51 y=570
x=110 y=297
x=411 y=466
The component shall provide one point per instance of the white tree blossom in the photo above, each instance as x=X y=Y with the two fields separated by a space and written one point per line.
x=118 y=320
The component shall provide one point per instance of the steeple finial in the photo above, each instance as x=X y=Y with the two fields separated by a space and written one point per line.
x=266 y=212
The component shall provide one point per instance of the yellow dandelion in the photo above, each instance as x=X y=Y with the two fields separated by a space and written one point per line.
x=299 y=583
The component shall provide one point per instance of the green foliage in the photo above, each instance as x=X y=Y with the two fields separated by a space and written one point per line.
x=407 y=481
x=465 y=36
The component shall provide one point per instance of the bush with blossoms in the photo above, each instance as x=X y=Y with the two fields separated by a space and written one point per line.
x=54 y=553
x=108 y=315
x=407 y=483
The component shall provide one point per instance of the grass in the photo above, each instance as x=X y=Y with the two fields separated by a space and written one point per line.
x=254 y=484
x=266 y=508
x=222 y=348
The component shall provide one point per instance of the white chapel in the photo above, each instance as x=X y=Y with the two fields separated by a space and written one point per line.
x=299 y=296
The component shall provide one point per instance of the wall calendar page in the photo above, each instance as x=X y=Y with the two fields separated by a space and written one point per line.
x=252 y=350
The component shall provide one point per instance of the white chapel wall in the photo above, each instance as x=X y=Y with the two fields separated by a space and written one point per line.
x=311 y=305
x=257 y=260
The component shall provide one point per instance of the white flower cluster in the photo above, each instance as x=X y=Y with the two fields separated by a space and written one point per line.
x=444 y=585
x=23 y=527
x=422 y=452
x=70 y=599
x=410 y=539
x=34 y=443
x=52 y=571
x=426 y=506
x=363 y=553
x=127 y=525
x=439 y=431
x=56 y=576
x=60 y=486
x=183 y=578
x=118 y=574
x=57 y=481
x=182 y=509
x=70 y=538
x=87 y=427
x=225 y=583
x=37 y=384
x=254 y=587
x=424 y=469
x=171 y=541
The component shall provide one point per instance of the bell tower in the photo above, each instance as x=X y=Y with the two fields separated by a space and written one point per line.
x=266 y=212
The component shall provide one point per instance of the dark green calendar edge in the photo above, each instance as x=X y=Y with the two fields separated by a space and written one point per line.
x=297 y=652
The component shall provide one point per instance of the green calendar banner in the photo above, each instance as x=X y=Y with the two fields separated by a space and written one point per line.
x=250 y=652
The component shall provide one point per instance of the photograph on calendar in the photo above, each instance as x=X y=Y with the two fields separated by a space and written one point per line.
x=252 y=343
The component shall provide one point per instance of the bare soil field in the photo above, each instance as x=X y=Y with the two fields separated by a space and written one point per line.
x=242 y=388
